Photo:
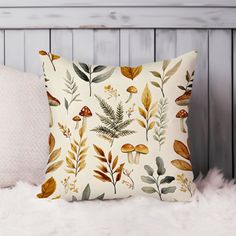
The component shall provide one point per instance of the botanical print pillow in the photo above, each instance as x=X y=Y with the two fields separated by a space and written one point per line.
x=117 y=132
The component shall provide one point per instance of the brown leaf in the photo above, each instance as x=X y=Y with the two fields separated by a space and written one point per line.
x=182 y=165
x=54 y=155
x=98 y=150
x=54 y=166
x=109 y=157
x=131 y=72
x=146 y=97
x=73 y=147
x=102 y=168
x=102 y=176
x=48 y=188
x=181 y=149
x=141 y=123
x=101 y=158
x=142 y=112
x=54 y=57
x=43 y=53
x=118 y=177
x=120 y=168
x=51 y=142
x=115 y=162
x=70 y=163
x=151 y=125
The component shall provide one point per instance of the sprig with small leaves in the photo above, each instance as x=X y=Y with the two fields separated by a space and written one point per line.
x=157 y=181
x=189 y=79
x=71 y=89
x=165 y=75
x=186 y=185
x=148 y=112
x=161 y=123
x=52 y=57
x=86 y=73
x=65 y=130
x=109 y=170
x=113 y=123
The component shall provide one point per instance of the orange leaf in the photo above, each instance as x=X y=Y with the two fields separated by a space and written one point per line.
x=101 y=159
x=43 y=53
x=102 y=176
x=115 y=162
x=51 y=142
x=146 y=97
x=181 y=149
x=48 y=188
x=102 y=168
x=109 y=157
x=131 y=72
x=182 y=165
x=98 y=150
x=54 y=166
x=54 y=57
x=54 y=155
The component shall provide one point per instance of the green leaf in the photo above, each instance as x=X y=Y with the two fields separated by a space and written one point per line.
x=149 y=170
x=160 y=166
x=66 y=104
x=103 y=77
x=101 y=197
x=80 y=73
x=68 y=75
x=188 y=76
x=147 y=180
x=167 y=180
x=149 y=190
x=174 y=69
x=168 y=190
x=165 y=64
x=98 y=68
x=155 y=84
x=86 y=193
x=156 y=74
x=181 y=87
x=85 y=67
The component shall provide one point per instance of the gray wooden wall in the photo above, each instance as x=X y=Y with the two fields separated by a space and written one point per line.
x=119 y=33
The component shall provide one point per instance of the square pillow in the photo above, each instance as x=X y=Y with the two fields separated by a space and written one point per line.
x=118 y=131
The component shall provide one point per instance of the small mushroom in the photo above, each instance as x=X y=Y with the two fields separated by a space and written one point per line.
x=182 y=114
x=131 y=90
x=128 y=148
x=77 y=119
x=53 y=102
x=85 y=113
x=140 y=149
x=184 y=99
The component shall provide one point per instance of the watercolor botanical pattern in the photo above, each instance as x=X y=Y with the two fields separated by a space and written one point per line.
x=117 y=132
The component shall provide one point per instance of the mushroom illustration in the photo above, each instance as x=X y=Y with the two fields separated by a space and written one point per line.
x=128 y=148
x=77 y=119
x=53 y=102
x=184 y=99
x=182 y=114
x=131 y=90
x=85 y=113
x=140 y=149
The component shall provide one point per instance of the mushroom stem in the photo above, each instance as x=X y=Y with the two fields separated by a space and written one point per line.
x=50 y=117
x=137 y=157
x=129 y=98
x=182 y=125
x=77 y=125
x=130 y=158
x=84 y=122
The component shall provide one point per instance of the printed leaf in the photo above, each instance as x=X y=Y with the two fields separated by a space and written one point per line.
x=181 y=149
x=142 y=112
x=80 y=73
x=149 y=170
x=98 y=150
x=181 y=87
x=146 y=98
x=151 y=125
x=147 y=180
x=103 y=77
x=71 y=155
x=156 y=74
x=101 y=197
x=141 y=123
x=54 y=155
x=66 y=104
x=73 y=147
x=174 y=69
x=149 y=190
x=165 y=64
x=70 y=163
x=43 y=53
x=54 y=166
x=168 y=190
x=109 y=157
x=160 y=166
x=156 y=84
x=102 y=176
x=51 y=142
x=54 y=57
x=130 y=72
x=48 y=188
x=102 y=168
x=115 y=162
x=86 y=193
x=182 y=165
x=85 y=67
x=167 y=180
x=98 y=68
x=118 y=177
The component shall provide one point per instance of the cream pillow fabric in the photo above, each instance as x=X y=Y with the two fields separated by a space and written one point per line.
x=118 y=131
x=23 y=127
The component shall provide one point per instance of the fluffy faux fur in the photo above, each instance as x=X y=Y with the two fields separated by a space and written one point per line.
x=212 y=213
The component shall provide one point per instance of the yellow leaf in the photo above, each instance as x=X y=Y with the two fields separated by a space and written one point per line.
x=81 y=166
x=83 y=142
x=131 y=72
x=82 y=157
x=73 y=147
x=174 y=69
x=81 y=132
x=70 y=171
x=70 y=163
x=83 y=151
x=71 y=155
x=151 y=125
x=141 y=123
x=115 y=162
x=153 y=112
x=146 y=98
x=181 y=149
x=182 y=165
x=142 y=112
x=54 y=155
x=51 y=142
x=154 y=105
x=48 y=188
x=43 y=53
x=57 y=197
x=54 y=57
x=54 y=166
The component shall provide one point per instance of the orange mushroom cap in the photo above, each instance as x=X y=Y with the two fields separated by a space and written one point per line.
x=85 y=111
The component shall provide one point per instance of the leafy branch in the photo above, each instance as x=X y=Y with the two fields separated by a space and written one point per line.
x=148 y=112
x=109 y=170
x=157 y=181
x=51 y=57
x=189 y=79
x=161 y=122
x=86 y=72
x=113 y=123
x=185 y=184
x=164 y=76
x=71 y=89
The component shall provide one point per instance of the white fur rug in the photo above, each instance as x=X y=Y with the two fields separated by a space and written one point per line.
x=213 y=214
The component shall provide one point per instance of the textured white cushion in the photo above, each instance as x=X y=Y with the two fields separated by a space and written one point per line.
x=23 y=127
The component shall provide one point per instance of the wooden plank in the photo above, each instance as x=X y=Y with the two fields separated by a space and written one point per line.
x=62 y=43
x=118 y=17
x=35 y=40
x=66 y=3
x=15 y=49
x=220 y=100
x=83 y=45
x=136 y=46
x=2 y=47
x=234 y=103
x=188 y=40
x=106 y=47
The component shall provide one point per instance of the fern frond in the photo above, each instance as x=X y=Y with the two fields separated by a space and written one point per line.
x=124 y=133
x=104 y=130
x=124 y=124
x=106 y=121
x=119 y=113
